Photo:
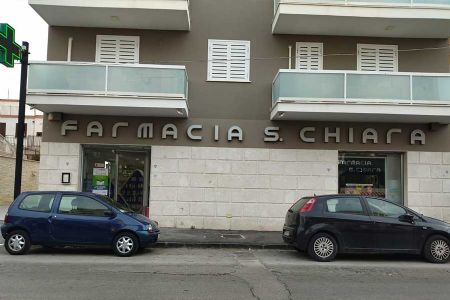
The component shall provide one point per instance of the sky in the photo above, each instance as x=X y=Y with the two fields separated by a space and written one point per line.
x=29 y=27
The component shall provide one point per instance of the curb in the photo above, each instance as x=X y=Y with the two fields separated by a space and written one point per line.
x=220 y=245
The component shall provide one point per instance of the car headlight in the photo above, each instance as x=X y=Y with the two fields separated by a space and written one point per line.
x=148 y=227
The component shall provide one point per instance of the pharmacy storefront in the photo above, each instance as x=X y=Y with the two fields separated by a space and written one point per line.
x=225 y=174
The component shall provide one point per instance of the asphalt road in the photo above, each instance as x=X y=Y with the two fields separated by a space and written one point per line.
x=185 y=273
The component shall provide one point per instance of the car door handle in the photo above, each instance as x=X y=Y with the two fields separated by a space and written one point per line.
x=51 y=218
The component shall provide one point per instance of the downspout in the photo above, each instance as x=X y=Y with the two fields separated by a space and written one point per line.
x=290 y=57
x=69 y=49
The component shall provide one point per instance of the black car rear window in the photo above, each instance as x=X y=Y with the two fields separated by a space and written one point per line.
x=299 y=204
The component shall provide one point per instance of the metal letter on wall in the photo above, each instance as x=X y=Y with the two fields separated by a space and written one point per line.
x=170 y=130
x=390 y=133
x=350 y=135
x=116 y=128
x=303 y=136
x=235 y=132
x=418 y=136
x=216 y=132
x=336 y=135
x=69 y=125
x=271 y=134
x=192 y=136
x=145 y=131
x=370 y=134
x=95 y=127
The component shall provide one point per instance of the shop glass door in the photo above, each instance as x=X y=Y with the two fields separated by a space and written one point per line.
x=120 y=174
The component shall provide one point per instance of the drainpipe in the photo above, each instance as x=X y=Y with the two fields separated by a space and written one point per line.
x=290 y=57
x=69 y=49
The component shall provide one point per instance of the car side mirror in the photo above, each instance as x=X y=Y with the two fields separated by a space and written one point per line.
x=109 y=214
x=406 y=218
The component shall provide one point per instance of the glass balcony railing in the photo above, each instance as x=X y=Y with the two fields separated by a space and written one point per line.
x=168 y=82
x=403 y=3
x=364 y=87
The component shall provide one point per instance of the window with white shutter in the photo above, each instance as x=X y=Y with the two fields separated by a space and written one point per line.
x=116 y=49
x=381 y=58
x=228 y=60
x=309 y=56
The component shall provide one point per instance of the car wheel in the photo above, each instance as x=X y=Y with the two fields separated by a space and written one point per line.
x=437 y=249
x=322 y=247
x=17 y=242
x=125 y=244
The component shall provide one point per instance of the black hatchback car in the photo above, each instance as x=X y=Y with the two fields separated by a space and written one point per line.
x=327 y=225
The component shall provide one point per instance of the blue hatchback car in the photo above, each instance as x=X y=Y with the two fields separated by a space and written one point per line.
x=73 y=218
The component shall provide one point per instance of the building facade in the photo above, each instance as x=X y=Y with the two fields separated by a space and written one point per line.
x=9 y=113
x=220 y=114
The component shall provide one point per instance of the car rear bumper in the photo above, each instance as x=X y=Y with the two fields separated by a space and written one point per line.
x=294 y=237
x=147 y=238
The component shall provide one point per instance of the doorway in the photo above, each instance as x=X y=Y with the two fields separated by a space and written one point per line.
x=119 y=173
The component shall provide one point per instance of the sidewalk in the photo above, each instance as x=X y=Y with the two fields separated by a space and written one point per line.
x=176 y=237
x=207 y=238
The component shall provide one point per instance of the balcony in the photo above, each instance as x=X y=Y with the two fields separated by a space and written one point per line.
x=352 y=96
x=102 y=89
x=134 y=14
x=376 y=18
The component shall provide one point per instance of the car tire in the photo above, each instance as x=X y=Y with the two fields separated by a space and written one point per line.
x=17 y=242
x=322 y=247
x=125 y=244
x=437 y=249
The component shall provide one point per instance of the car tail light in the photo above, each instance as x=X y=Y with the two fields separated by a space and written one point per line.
x=308 y=205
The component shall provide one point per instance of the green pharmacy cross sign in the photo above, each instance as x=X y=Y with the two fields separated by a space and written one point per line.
x=9 y=49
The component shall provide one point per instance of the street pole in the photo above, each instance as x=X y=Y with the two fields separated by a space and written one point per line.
x=21 y=119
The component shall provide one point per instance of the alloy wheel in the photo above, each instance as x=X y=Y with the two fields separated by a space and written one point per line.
x=16 y=242
x=125 y=244
x=440 y=249
x=323 y=247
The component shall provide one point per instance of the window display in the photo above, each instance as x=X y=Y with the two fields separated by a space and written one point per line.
x=371 y=174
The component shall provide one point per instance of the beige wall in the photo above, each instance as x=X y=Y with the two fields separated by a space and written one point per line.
x=243 y=20
x=429 y=183
x=235 y=188
x=30 y=172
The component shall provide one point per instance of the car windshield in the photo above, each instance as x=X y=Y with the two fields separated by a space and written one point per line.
x=122 y=207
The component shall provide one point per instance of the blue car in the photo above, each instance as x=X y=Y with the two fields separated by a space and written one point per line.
x=54 y=219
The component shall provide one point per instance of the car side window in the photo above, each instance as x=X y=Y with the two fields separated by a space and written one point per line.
x=38 y=202
x=81 y=205
x=380 y=208
x=345 y=206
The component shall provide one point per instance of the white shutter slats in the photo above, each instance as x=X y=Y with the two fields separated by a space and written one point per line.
x=309 y=56
x=117 y=49
x=228 y=60
x=377 y=58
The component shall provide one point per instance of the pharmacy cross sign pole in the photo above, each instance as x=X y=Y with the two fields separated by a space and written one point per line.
x=10 y=51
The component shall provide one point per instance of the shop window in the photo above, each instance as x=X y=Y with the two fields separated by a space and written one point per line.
x=372 y=174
